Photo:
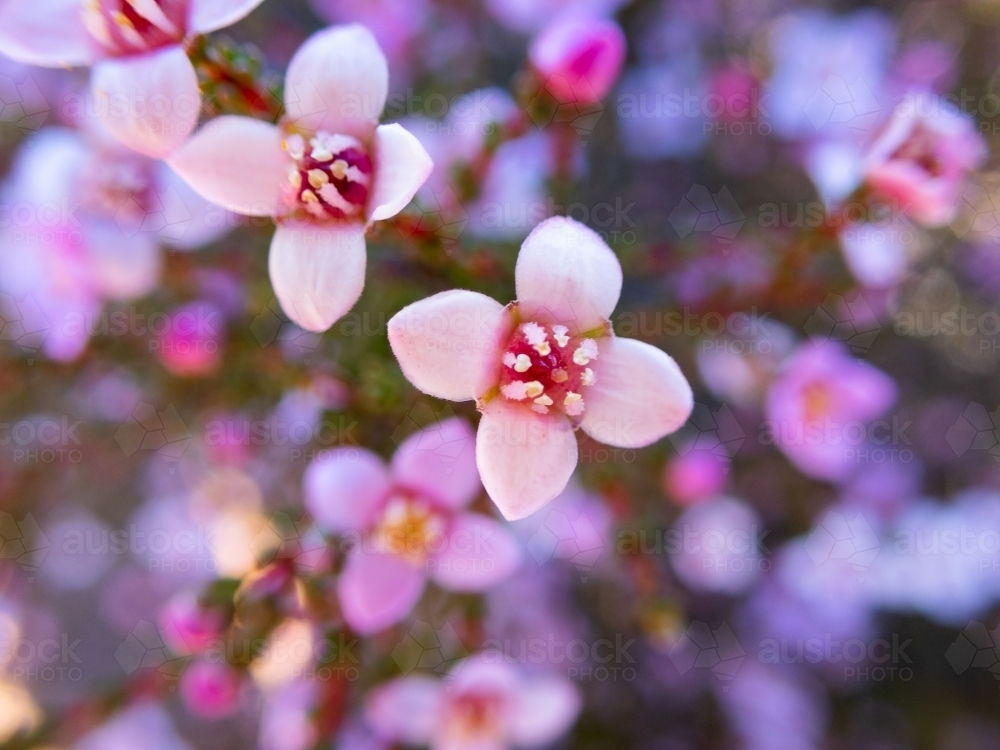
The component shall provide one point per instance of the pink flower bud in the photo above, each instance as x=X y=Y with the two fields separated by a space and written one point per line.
x=578 y=57
x=186 y=626
x=210 y=690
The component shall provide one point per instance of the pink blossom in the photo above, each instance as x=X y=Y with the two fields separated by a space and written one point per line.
x=485 y=705
x=531 y=15
x=578 y=57
x=820 y=402
x=695 y=475
x=190 y=345
x=395 y=23
x=144 y=83
x=542 y=366
x=406 y=523
x=187 y=627
x=325 y=173
x=210 y=689
x=922 y=158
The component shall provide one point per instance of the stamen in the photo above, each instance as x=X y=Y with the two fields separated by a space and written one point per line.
x=560 y=376
x=560 y=334
x=588 y=377
x=573 y=404
x=153 y=13
x=516 y=390
x=523 y=363
x=586 y=352
x=534 y=388
x=318 y=178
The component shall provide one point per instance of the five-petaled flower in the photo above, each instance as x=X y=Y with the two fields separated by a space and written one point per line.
x=406 y=523
x=485 y=703
x=325 y=173
x=542 y=365
x=145 y=87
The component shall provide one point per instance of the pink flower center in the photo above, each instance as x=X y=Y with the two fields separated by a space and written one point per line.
x=127 y=26
x=817 y=400
x=921 y=149
x=329 y=176
x=547 y=368
x=409 y=528
x=118 y=185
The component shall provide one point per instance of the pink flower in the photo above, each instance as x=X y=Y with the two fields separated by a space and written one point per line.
x=145 y=85
x=325 y=173
x=187 y=627
x=695 y=476
x=210 y=689
x=819 y=407
x=922 y=158
x=190 y=345
x=579 y=57
x=485 y=705
x=406 y=523
x=542 y=366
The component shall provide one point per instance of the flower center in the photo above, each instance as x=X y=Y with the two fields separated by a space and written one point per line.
x=329 y=176
x=118 y=185
x=920 y=149
x=129 y=26
x=475 y=715
x=409 y=527
x=817 y=401
x=548 y=368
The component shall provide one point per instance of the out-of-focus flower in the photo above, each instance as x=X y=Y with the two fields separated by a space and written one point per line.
x=922 y=158
x=578 y=57
x=187 y=627
x=19 y=714
x=145 y=725
x=136 y=50
x=740 y=371
x=325 y=173
x=695 y=475
x=720 y=547
x=210 y=689
x=878 y=254
x=818 y=403
x=542 y=365
x=406 y=523
x=529 y=16
x=395 y=23
x=828 y=73
x=286 y=719
x=485 y=704
x=737 y=269
x=191 y=344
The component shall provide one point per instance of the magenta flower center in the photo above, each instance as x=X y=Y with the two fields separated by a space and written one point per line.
x=128 y=26
x=547 y=368
x=921 y=149
x=329 y=176
x=410 y=528
x=475 y=715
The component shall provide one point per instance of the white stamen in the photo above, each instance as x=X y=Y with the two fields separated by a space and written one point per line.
x=339 y=169
x=509 y=359
x=543 y=348
x=153 y=13
x=585 y=352
x=318 y=178
x=573 y=404
x=540 y=409
x=588 y=377
x=559 y=376
x=332 y=196
x=319 y=151
x=534 y=388
x=560 y=334
x=523 y=363
x=95 y=22
x=534 y=333
x=295 y=146
x=127 y=30
x=515 y=390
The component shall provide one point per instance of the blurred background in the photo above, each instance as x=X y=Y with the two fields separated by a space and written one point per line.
x=804 y=203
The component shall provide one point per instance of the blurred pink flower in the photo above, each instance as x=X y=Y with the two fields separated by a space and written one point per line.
x=187 y=627
x=578 y=57
x=210 y=689
x=485 y=705
x=922 y=158
x=529 y=16
x=190 y=345
x=542 y=366
x=395 y=23
x=694 y=476
x=819 y=402
x=406 y=523
x=325 y=174
x=137 y=53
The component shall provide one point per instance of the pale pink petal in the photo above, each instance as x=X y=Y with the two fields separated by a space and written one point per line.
x=440 y=463
x=478 y=553
x=124 y=266
x=484 y=673
x=878 y=256
x=640 y=395
x=406 y=709
x=49 y=33
x=525 y=459
x=210 y=15
x=544 y=709
x=448 y=345
x=235 y=162
x=402 y=165
x=159 y=94
x=567 y=274
x=337 y=81
x=377 y=590
x=318 y=272
x=344 y=488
